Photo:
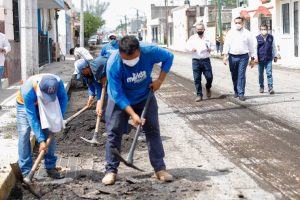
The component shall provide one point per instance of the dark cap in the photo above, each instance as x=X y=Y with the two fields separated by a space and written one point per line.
x=49 y=86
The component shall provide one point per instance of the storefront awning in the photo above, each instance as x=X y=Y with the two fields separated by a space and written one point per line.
x=245 y=14
x=263 y=10
x=51 y=4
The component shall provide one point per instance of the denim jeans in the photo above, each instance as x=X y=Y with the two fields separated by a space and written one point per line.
x=1 y=74
x=116 y=122
x=202 y=66
x=268 y=66
x=24 y=147
x=238 y=65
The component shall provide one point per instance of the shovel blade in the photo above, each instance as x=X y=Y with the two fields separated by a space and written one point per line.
x=92 y=141
x=17 y=171
x=120 y=158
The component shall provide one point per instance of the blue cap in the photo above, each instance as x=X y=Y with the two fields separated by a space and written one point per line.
x=79 y=66
x=49 y=86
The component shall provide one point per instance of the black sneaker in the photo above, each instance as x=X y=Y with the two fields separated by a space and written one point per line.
x=242 y=98
x=261 y=90
x=53 y=173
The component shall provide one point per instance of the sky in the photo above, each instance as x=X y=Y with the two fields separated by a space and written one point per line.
x=119 y=8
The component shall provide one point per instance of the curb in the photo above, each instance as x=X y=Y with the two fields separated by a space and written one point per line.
x=10 y=180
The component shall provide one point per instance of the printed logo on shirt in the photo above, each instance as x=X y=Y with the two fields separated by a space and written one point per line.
x=137 y=77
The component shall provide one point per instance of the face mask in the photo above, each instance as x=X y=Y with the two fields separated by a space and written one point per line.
x=113 y=42
x=131 y=63
x=264 y=32
x=200 y=33
x=238 y=27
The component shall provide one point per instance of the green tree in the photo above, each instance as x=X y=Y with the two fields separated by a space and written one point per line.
x=91 y=23
x=96 y=7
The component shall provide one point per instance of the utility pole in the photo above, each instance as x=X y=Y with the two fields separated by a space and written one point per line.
x=125 y=17
x=137 y=21
x=29 y=38
x=220 y=22
x=81 y=25
x=167 y=25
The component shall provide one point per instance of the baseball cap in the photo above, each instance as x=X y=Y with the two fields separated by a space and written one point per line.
x=48 y=86
x=79 y=66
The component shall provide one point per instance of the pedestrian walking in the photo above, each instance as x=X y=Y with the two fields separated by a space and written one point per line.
x=200 y=46
x=238 y=47
x=110 y=47
x=218 y=44
x=41 y=105
x=266 y=53
x=129 y=83
x=4 y=49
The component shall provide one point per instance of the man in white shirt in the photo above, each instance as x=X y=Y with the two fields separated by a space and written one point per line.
x=4 y=49
x=201 y=46
x=238 y=47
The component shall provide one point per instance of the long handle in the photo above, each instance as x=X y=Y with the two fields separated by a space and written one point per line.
x=78 y=113
x=95 y=136
x=42 y=153
x=138 y=130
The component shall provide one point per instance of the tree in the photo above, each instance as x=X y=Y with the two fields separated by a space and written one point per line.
x=96 y=7
x=91 y=23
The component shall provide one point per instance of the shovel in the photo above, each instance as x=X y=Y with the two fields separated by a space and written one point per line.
x=27 y=181
x=78 y=113
x=129 y=161
x=94 y=140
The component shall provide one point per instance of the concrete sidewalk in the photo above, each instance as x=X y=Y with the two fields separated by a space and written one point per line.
x=8 y=133
x=283 y=105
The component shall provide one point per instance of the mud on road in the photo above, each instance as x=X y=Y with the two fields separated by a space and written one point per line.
x=84 y=180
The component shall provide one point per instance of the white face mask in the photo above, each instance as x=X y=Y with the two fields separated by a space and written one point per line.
x=131 y=63
x=238 y=27
x=264 y=32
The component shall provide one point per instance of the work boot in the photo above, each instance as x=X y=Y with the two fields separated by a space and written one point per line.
x=271 y=91
x=261 y=90
x=163 y=176
x=208 y=93
x=198 y=98
x=53 y=173
x=109 y=178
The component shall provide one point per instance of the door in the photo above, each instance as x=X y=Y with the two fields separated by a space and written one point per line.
x=296 y=29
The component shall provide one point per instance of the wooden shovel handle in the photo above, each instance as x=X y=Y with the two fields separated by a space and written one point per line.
x=78 y=113
x=42 y=153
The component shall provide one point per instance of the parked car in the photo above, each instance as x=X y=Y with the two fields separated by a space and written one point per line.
x=92 y=42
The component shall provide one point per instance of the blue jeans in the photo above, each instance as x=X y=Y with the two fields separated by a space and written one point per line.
x=268 y=66
x=1 y=74
x=24 y=146
x=116 y=122
x=202 y=66
x=238 y=65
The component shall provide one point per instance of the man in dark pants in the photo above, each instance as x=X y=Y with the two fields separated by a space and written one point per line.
x=266 y=52
x=201 y=48
x=129 y=83
x=238 y=46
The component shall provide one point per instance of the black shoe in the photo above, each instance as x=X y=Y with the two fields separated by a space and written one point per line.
x=235 y=95
x=208 y=92
x=242 y=98
x=271 y=91
x=53 y=173
x=261 y=90
x=198 y=98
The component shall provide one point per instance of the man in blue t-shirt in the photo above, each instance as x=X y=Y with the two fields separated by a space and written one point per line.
x=110 y=47
x=129 y=83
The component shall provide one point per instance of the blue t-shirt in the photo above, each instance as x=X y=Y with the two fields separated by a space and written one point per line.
x=130 y=85
x=108 y=49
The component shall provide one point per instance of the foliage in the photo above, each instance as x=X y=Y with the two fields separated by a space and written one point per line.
x=91 y=23
x=96 y=7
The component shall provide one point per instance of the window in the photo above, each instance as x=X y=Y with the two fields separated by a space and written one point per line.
x=286 y=18
x=16 y=21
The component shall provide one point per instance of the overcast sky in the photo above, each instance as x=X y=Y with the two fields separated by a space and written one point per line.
x=119 y=8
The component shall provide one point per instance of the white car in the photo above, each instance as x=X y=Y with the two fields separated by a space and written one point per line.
x=93 y=41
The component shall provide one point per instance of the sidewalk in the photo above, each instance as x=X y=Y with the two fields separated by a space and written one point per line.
x=8 y=133
x=283 y=106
